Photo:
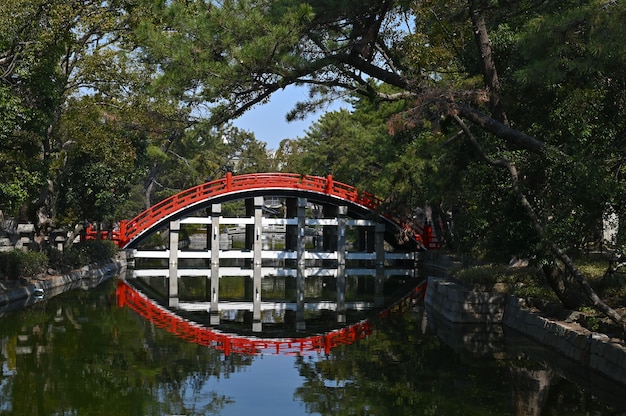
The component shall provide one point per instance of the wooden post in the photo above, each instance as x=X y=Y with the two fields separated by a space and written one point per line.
x=301 y=264
x=173 y=262
x=341 y=263
x=257 y=246
x=216 y=210
x=379 y=238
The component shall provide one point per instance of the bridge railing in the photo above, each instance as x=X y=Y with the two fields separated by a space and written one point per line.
x=230 y=343
x=130 y=229
x=229 y=183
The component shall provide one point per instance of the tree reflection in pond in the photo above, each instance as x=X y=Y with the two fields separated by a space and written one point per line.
x=404 y=369
x=79 y=353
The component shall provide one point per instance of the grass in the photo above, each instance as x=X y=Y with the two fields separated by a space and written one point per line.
x=521 y=282
x=529 y=281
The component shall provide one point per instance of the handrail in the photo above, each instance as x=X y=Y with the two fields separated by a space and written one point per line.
x=131 y=229
x=230 y=184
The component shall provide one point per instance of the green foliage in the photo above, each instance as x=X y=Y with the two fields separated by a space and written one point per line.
x=82 y=254
x=17 y=186
x=101 y=163
x=108 y=107
x=15 y=264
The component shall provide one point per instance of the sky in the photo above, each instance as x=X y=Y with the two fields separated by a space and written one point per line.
x=268 y=122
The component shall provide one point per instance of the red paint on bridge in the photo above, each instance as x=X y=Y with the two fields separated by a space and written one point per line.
x=230 y=184
x=228 y=343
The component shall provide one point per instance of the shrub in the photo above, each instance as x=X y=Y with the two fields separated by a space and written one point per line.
x=16 y=263
x=82 y=254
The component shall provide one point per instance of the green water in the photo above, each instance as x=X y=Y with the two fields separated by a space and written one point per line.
x=80 y=354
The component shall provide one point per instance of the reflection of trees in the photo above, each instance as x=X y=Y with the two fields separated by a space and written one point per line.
x=398 y=371
x=80 y=354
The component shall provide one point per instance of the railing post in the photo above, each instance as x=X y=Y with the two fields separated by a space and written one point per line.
x=229 y=181
x=329 y=184
x=122 y=238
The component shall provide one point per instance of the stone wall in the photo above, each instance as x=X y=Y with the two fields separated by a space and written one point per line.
x=460 y=305
x=593 y=350
x=56 y=284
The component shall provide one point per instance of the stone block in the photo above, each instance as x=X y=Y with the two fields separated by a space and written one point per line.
x=25 y=229
x=615 y=355
x=597 y=346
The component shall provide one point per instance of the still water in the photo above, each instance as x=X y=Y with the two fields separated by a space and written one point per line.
x=80 y=353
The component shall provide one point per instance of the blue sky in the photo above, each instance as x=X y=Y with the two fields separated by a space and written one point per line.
x=268 y=122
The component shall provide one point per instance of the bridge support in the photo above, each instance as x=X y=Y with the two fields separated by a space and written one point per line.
x=342 y=212
x=257 y=246
x=216 y=210
x=379 y=243
x=173 y=263
x=300 y=208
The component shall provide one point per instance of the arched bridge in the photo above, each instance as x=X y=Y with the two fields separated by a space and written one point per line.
x=324 y=229
x=324 y=190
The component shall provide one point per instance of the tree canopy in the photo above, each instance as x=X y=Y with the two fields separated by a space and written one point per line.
x=505 y=115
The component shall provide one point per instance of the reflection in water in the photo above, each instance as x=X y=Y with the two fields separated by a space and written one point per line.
x=81 y=354
x=541 y=379
x=190 y=331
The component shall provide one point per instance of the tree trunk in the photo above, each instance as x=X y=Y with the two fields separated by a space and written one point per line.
x=490 y=74
x=559 y=254
x=564 y=287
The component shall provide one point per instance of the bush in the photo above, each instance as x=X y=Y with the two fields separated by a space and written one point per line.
x=523 y=282
x=82 y=254
x=15 y=264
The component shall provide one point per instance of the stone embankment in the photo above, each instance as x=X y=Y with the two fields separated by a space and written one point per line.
x=596 y=351
x=52 y=284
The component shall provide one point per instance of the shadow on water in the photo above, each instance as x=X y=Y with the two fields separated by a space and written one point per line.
x=40 y=296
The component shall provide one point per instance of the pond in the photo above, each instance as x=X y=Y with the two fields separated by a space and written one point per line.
x=82 y=353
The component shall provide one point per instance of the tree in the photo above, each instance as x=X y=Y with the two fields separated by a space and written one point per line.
x=100 y=164
x=49 y=51
x=29 y=92
x=445 y=58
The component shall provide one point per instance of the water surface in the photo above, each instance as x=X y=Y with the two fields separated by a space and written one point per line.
x=80 y=353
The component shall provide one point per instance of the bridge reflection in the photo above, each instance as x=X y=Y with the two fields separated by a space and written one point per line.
x=191 y=331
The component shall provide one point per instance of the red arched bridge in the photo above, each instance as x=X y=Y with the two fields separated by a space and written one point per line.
x=321 y=189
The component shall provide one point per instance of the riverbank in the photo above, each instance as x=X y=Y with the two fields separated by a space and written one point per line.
x=451 y=301
x=593 y=350
x=22 y=289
